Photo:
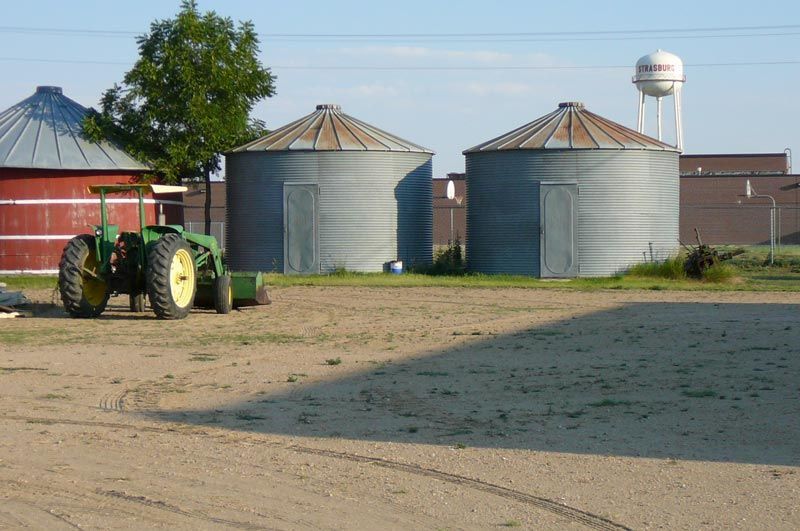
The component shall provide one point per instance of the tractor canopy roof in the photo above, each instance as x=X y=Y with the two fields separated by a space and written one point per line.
x=119 y=188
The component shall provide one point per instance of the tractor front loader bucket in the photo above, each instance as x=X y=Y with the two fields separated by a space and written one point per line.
x=249 y=289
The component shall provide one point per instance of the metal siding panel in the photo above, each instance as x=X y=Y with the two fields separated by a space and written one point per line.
x=328 y=129
x=44 y=131
x=571 y=126
x=503 y=214
x=68 y=213
x=628 y=200
x=373 y=207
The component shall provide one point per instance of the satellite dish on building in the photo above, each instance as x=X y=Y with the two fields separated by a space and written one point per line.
x=451 y=190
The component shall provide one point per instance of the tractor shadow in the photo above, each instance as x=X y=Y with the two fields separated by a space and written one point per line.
x=115 y=311
x=695 y=381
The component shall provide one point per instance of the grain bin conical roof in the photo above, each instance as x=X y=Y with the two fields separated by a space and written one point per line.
x=329 y=129
x=571 y=126
x=44 y=131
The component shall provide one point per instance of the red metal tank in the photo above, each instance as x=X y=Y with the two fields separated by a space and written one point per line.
x=46 y=165
x=40 y=210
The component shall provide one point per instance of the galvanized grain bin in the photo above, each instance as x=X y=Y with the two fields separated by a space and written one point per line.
x=570 y=194
x=326 y=192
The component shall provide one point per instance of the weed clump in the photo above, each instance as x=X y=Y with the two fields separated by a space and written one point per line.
x=446 y=261
x=719 y=273
x=672 y=268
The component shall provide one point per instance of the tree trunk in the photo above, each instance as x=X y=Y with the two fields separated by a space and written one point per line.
x=208 y=201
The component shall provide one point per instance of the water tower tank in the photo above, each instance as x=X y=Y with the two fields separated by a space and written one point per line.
x=657 y=75
x=658 y=72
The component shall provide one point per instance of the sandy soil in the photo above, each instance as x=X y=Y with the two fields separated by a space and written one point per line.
x=358 y=408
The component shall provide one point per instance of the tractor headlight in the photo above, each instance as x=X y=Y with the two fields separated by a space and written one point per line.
x=98 y=232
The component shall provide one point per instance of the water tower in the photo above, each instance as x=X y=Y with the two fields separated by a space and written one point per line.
x=660 y=74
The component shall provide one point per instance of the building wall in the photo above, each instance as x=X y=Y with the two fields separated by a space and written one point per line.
x=728 y=163
x=40 y=210
x=194 y=202
x=443 y=232
x=716 y=205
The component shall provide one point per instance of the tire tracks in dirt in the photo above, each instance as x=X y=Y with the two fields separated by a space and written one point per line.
x=102 y=501
x=586 y=518
x=114 y=401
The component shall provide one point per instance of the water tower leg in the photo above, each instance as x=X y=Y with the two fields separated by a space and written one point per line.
x=641 y=112
x=658 y=116
x=678 y=120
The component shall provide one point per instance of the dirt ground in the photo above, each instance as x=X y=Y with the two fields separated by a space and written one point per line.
x=406 y=408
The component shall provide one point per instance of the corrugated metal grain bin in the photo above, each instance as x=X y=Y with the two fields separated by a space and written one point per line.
x=570 y=194
x=46 y=165
x=325 y=192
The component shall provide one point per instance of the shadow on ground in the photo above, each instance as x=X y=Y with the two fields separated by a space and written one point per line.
x=663 y=380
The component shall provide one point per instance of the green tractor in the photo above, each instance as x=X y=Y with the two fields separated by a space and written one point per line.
x=175 y=269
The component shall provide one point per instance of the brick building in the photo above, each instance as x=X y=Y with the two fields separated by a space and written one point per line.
x=194 y=202
x=449 y=215
x=713 y=200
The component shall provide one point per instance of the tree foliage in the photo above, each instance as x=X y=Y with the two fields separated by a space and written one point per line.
x=188 y=97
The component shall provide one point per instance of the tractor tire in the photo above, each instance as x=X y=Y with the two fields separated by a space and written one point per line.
x=171 y=277
x=223 y=294
x=83 y=295
x=137 y=302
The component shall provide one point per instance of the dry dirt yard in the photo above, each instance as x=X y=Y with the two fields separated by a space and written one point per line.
x=405 y=408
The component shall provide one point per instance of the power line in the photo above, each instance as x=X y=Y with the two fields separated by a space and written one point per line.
x=423 y=68
x=710 y=32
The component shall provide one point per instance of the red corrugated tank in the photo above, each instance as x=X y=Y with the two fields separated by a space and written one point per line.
x=46 y=166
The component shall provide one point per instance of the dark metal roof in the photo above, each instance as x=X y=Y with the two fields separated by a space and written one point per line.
x=571 y=126
x=329 y=129
x=44 y=131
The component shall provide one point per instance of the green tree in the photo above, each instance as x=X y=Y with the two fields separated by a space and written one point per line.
x=188 y=97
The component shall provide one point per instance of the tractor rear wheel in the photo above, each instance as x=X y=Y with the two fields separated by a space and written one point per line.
x=83 y=292
x=171 y=277
x=223 y=294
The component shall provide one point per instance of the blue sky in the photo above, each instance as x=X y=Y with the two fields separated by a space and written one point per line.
x=727 y=109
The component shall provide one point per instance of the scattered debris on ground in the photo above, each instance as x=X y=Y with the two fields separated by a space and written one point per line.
x=8 y=302
x=703 y=257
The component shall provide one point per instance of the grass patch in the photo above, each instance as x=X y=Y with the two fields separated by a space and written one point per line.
x=242 y=415
x=772 y=279
x=19 y=282
x=511 y=523
x=14 y=369
x=251 y=339
x=719 y=273
x=432 y=373
x=699 y=393
x=203 y=357
x=607 y=402
x=671 y=268
x=334 y=361
x=54 y=396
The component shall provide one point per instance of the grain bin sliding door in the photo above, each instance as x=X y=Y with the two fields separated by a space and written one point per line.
x=300 y=229
x=558 y=207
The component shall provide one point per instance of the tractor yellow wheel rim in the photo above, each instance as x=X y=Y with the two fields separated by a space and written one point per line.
x=230 y=296
x=181 y=278
x=94 y=290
